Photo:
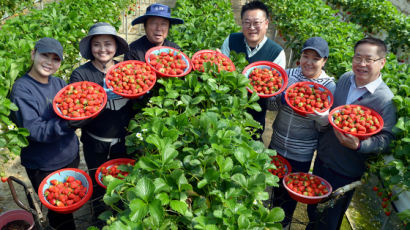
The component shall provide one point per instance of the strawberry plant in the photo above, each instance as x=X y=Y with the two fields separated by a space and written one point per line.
x=9 y=7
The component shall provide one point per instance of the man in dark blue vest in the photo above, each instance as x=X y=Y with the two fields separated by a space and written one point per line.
x=253 y=42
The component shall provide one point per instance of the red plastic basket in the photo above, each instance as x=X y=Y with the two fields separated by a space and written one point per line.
x=159 y=49
x=56 y=105
x=108 y=164
x=288 y=167
x=307 y=199
x=360 y=136
x=311 y=84
x=267 y=65
x=61 y=175
x=126 y=63
x=198 y=54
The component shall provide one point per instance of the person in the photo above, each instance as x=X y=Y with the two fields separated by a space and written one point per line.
x=341 y=157
x=103 y=137
x=52 y=143
x=254 y=43
x=157 y=22
x=295 y=136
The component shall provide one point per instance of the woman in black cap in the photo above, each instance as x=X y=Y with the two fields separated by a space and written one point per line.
x=294 y=136
x=157 y=21
x=52 y=144
x=103 y=137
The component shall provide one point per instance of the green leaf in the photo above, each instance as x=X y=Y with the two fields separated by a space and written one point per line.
x=161 y=185
x=179 y=206
x=225 y=164
x=243 y=222
x=202 y=183
x=197 y=100
x=139 y=210
x=186 y=99
x=144 y=189
x=132 y=125
x=275 y=215
x=168 y=154
x=163 y=197
x=111 y=199
x=156 y=212
x=240 y=179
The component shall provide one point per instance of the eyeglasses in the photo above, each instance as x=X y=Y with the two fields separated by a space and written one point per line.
x=367 y=61
x=255 y=24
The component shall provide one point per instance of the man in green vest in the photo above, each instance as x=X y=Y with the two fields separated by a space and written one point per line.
x=252 y=41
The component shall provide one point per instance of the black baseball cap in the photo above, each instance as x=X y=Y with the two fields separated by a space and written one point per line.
x=317 y=44
x=49 y=45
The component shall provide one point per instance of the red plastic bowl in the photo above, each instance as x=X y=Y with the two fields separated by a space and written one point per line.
x=108 y=164
x=129 y=62
x=61 y=175
x=307 y=199
x=213 y=53
x=288 y=167
x=60 y=114
x=360 y=136
x=311 y=84
x=158 y=49
x=267 y=65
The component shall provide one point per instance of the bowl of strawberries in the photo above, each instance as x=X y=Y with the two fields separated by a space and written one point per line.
x=304 y=97
x=203 y=56
x=357 y=120
x=118 y=168
x=168 y=62
x=306 y=188
x=267 y=78
x=283 y=166
x=65 y=190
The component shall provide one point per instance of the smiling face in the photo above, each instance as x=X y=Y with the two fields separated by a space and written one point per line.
x=103 y=48
x=156 y=29
x=44 y=65
x=254 y=26
x=311 y=63
x=367 y=71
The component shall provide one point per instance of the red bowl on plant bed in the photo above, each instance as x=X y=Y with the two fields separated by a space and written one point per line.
x=203 y=56
x=65 y=190
x=304 y=97
x=111 y=168
x=80 y=100
x=357 y=120
x=168 y=62
x=315 y=189
x=267 y=78
x=283 y=166
x=130 y=79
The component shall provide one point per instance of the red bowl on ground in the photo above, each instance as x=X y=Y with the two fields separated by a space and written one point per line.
x=137 y=71
x=17 y=215
x=306 y=199
x=61 y=175
x=109 y=164
x=59 y=104
x=310 y=84
x=198 y=60
x=267 y=65
x=286 y=164
x=159 y=52
x=361 y=136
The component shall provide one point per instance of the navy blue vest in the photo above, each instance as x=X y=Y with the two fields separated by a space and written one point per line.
x=269 y=52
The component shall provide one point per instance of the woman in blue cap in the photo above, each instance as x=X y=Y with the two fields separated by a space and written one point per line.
x=53 y=144
x=157 y=21
x=103 y=137
x=294 y=136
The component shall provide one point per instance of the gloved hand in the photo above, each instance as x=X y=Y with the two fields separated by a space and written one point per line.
x=110 y=94
x=320 y=117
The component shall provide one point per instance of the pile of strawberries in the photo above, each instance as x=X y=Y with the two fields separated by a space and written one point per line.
x=62 y=194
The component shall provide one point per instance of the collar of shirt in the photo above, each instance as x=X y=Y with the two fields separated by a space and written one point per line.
x=371 y=87
x=251 y=52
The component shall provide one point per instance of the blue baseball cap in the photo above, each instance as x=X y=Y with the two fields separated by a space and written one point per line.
x=157 y=10
x=317 y=44
x=49 y=45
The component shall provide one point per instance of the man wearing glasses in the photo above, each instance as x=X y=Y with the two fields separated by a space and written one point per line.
x=252 y=41
x=341 y=157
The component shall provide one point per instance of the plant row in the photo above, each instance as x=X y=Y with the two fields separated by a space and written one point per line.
x=378 y=16
x=9 y=7
x=66 y=21
x=298 y=20
x=198 y=166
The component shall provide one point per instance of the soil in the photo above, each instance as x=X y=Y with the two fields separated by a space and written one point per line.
x=16 y=225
